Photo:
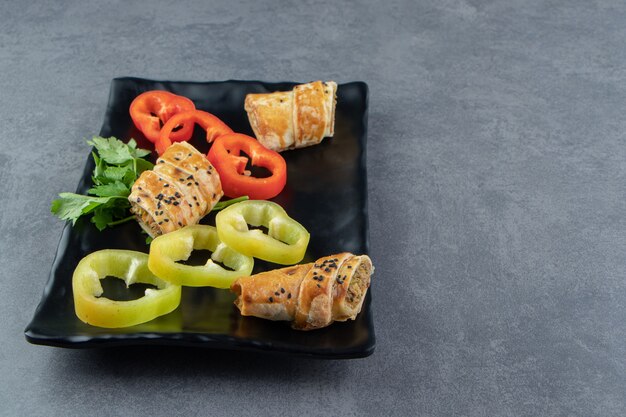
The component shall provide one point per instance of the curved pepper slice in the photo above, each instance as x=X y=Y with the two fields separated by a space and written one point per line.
x=131 y=267
x=285 y=242
x=225 y=156
x=212 y=124
x=167 y=249
x=153 y=109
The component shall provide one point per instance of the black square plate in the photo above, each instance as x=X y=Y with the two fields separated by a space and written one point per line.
x=326 y=192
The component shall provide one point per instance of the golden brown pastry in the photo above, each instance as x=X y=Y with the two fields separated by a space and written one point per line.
x=293 y=119
x=312 y=295
x=180 y=190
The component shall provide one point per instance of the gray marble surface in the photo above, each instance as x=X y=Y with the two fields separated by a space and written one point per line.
x=496 y=155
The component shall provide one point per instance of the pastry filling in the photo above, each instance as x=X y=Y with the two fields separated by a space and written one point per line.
x=146 y=221
x=359 y=284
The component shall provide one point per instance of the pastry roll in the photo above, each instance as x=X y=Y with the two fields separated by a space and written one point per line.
x=293 y=119
x=310 y=296
x=180 y=190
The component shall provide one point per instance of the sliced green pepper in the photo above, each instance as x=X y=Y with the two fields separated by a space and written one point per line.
x=132 y=267
x=285 y=242
x=166 y=250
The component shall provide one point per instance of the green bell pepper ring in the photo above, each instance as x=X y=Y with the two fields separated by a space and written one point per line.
x=166 y=250
x=131 y=267
x=285 y=242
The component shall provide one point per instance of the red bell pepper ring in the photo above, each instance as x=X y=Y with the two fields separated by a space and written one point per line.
x=214 y=127
x=153 y=109
x=225 y=156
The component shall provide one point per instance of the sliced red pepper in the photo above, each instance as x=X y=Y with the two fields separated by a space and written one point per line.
x=153 y=109
x=212 y=124
x=225 y=156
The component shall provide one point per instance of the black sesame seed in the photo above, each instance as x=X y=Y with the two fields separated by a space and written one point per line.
x=271 y=299
x=159 y=205
x=190 y=205
x=190 y=177
x=176 y=194
x=282 y=290
x=188 y=184
x=195 y=198
x=138 y=199
x=196 y=182
x=214 y=195
x=166 y=220
x=166 y=185
x=180 y=224
x=349 y=266
x=139 y=188
x=327 y=269
x=175 y=203
x=198 y=204
x=177 y=158
x=319 y=286
x=160 y=223
x=276 y=293
x=289 y=295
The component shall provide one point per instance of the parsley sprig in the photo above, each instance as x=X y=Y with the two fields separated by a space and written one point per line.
x=118 y=165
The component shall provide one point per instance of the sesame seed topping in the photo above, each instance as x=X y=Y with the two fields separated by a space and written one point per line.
x=289 y=295
x=282 y=290
x=276 y=293
x=271 y=299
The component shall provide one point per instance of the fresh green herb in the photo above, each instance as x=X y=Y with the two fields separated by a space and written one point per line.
x=118 y=165
x=223 y=204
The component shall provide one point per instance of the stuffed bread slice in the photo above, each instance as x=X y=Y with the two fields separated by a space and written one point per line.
x=293 y=119
x=310 y=296
x=180 y=190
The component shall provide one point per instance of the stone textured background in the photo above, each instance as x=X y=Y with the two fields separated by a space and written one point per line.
x=497 y=190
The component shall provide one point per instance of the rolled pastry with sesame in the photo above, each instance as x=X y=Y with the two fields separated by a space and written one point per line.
x=310 y=296
x=180 y=190
x=293 y=119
